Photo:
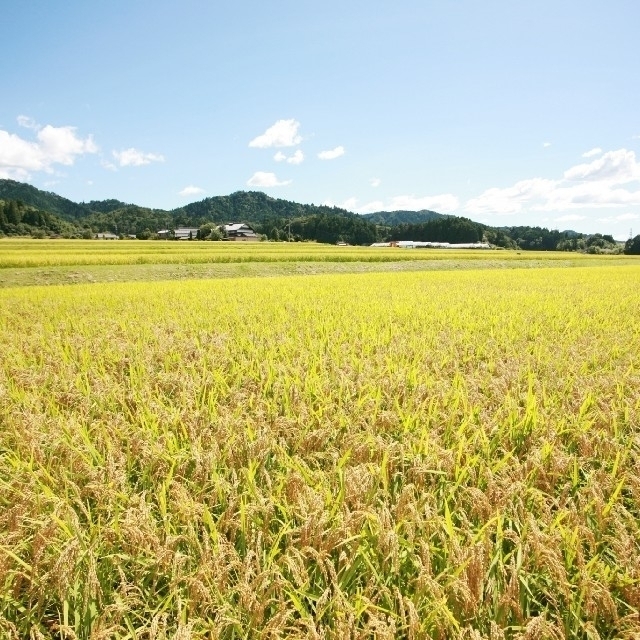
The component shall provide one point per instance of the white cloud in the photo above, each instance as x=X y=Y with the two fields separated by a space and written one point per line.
x=375 y=182
x=597 y=184
x=61 y=145
x=571 y=217
x=616 y=167
x=596 y=151
x=546 y=145
x=296 y=158
x=624 y=217
x=445 y=202
x=191 y=190
x=593 y=195
x=351 y=204
x=266 y=180
x=284 y=133
x=28 y=123
x=53 y=145
x=370 y=207
x=134 y=158
x=332 y=154
x=511 y=199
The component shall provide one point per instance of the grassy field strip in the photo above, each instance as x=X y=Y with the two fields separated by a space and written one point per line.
x=394 y=455
x=34 y=276
x=56 y=253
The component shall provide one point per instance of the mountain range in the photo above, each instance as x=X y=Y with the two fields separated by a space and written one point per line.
x=26 y=210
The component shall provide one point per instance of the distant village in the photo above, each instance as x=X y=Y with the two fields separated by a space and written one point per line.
x=243 y=232
x=234 y=231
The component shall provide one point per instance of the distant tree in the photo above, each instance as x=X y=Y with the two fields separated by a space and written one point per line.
x=12 y=213
x=204 y=232
x=632 y=246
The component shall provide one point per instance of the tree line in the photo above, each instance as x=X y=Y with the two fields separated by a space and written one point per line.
x=25 y=210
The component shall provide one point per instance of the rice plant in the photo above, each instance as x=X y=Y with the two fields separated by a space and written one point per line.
x=411 y=455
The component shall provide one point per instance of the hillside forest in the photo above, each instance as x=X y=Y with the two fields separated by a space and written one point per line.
x=28 y=211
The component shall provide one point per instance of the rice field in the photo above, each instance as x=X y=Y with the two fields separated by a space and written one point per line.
x=437 y=454
x=24 y=253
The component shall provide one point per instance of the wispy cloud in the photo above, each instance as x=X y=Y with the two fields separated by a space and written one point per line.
x=52 y=145
x=135 y=158
x=570 y=217
x=596 y=151
x=546 y=145
x=623 y=217
x=296 y=158
x=284 y=133
x=444 y=203
x=375 y=182
x=191 y=190
x=266 y=180
x=28 y=122
x=332 y=154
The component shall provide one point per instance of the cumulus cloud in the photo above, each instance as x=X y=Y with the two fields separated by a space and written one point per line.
x=600 y=183
x=370 y=207
x=284 y=133
x=511 y=199
x=191 y=190
x=351 y=204
x=52 y=145
x=135 y=158
x=332 y=154
x=616 y=167
x=375 y=182
x=266 y=180
x=592 y=152
x=296 y=158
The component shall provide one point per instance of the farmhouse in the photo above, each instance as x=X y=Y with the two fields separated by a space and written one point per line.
x=239 y=231
x=185 y=233
x=106 y=236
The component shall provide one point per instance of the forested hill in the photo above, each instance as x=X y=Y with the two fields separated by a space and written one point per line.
x=253 y=207
x=393 y=218
x=26 y=210
x=42 y=200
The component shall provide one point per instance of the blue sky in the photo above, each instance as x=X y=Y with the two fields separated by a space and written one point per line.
x=505 y=112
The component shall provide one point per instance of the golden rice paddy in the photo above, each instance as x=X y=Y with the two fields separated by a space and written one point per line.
x=437 y=454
